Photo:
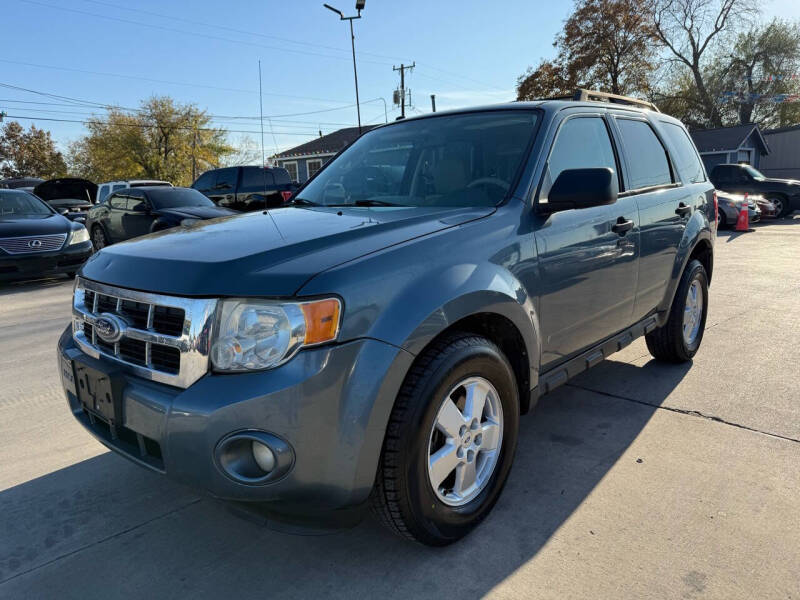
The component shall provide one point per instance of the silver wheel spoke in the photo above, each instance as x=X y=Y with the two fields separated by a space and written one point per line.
x=449 y=420
x=442 y=463
x=476 y=399
x=491 y=436
x=465 y=478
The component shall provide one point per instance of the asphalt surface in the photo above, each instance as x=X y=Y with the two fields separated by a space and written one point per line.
x=636 y=480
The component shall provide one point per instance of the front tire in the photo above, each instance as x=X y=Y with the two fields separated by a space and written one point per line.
x=781 y=206
x=679 y=339
x=450 y=441
x=99 y=239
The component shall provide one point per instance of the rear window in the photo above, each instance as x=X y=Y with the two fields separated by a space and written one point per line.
x=647 y=160
x=684 y=154
x=255 y=178
x=281 y=176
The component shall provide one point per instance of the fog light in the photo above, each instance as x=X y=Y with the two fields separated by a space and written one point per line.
x=265 y=458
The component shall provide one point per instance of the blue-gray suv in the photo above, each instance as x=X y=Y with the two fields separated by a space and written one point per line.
x=376 y=341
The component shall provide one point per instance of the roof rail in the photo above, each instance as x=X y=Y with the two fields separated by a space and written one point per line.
x=588 y=95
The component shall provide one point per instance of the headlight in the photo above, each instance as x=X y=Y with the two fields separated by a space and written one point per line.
x=260 y=334
x=78 y=236
x=190 y=221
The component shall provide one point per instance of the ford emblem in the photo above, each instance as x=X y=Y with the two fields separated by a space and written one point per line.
x=109 y=328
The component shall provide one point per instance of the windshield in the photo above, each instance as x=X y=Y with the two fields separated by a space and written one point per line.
x=754 y=173
x=14 y=203
x=176 y=198
x=458 y=160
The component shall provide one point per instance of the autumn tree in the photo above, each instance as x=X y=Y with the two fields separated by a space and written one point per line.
x=161 y=140
x=30 y=153
x=605 y=45
x=691 y=31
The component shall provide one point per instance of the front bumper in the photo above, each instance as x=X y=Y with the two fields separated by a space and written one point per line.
x=67 y=260
x=329 y=404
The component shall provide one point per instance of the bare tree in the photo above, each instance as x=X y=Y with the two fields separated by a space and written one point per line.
x=690 y=30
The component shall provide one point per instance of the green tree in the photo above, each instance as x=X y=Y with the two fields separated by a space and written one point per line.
x=691 y=31
x=30 y=153
x=605 y=44
x=162 y=140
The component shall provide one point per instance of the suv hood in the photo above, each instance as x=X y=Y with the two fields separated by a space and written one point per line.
x=263 y=254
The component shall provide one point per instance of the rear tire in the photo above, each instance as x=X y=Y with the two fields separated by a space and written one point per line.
x=723 y=220
x=478 y=451
x=679 y=339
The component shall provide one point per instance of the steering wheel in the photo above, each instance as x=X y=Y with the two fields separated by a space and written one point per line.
x=496 y=181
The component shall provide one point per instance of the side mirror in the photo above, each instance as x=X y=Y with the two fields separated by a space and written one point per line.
x=581 y=188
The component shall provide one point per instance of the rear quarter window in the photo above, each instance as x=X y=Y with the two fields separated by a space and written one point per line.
x=646 y=158
x=683 y=153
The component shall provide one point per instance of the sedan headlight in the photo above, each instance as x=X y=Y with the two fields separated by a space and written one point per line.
x=261 y=334
x=189 y=221
x=78 y=236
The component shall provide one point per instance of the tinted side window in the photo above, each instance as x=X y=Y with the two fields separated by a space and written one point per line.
x=136 y=201
x=684 y=155
x=205 y=181
x=646 y=157
x=581 y=143
x=226 y=178
x=256 y=178
x=281 y=176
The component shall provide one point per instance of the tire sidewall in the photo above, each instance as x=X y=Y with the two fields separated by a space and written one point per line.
x=442 y=522
x=697 y=272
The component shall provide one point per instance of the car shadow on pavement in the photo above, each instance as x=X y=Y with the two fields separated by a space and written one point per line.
x=21 y=286
x=106 y=528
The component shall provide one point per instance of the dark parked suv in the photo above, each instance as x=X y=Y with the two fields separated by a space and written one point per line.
x=377 y=341
x=744 y=179
x=246 y=188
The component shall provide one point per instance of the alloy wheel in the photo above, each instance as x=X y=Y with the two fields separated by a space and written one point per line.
x=465 y=441
x=693 y=313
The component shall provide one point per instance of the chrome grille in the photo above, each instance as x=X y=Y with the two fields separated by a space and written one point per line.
x=30 y=244
x=162 y=338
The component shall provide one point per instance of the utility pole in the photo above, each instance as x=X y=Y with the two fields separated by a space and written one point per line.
x=403 y=68
x=359 y=8
x=433 y=102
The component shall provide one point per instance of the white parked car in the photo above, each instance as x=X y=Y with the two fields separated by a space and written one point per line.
x=104 y=190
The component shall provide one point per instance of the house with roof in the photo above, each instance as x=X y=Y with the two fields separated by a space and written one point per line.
x=783 y=162
x=743 y=144
x=306 y=159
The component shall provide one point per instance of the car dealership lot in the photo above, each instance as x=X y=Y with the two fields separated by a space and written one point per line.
x=635 y=480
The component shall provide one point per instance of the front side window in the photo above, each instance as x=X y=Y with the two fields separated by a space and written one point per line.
x=454 y=160
x=204 y=182
x=136 y=201
x=119 y=202
x=581 y=143
x=226 y=179
x=754 y=173
x=686 y=160
x=646 y=157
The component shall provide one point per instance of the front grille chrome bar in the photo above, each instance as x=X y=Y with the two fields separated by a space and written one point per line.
x=193 y=343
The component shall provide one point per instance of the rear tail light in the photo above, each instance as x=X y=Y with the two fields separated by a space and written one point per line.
x=287 y=195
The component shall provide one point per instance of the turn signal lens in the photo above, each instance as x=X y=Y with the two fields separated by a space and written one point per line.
x=322 y=321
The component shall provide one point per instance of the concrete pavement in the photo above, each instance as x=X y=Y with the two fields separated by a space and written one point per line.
x=636 y=480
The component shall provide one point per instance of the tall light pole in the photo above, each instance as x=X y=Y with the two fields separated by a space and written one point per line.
x=359 y=8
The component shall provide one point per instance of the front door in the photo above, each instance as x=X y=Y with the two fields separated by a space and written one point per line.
x=587 y=257
x=137 y=218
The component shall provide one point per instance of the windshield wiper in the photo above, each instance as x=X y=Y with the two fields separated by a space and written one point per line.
x=367 y=203
x=303 y=202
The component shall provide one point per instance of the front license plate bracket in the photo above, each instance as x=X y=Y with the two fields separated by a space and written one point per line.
x=100 y=394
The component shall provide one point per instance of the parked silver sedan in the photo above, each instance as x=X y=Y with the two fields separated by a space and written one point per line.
x=730 y=205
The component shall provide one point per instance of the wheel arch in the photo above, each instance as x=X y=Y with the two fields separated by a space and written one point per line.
x=699 y=246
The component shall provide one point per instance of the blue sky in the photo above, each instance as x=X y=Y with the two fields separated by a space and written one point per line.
x=111 y=52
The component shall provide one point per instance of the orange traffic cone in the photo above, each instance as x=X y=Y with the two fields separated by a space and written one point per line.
x=743 y=222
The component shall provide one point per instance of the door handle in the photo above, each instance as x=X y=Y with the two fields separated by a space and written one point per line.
x=228 y=196
x=622 y=226
x=683 y=210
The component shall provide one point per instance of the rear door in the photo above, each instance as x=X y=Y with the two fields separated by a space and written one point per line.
x=587 y=269
x=665 y=206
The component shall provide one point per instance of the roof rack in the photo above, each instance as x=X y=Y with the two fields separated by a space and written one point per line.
x=588 y=95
